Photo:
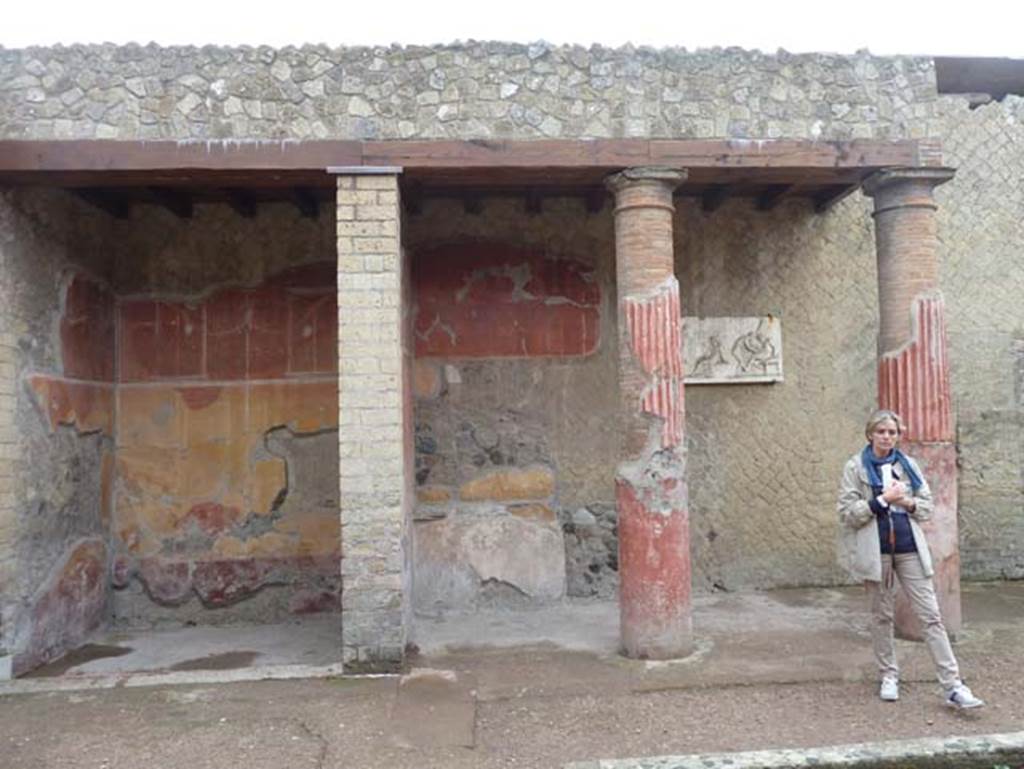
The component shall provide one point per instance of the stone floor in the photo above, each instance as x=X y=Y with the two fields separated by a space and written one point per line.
x=780 y=669
x=309 y=647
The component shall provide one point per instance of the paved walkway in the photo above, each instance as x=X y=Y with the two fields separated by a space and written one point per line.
x=785 y=669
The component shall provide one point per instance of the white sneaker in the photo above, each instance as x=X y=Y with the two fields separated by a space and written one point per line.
x=961 y=698
x=890 y=690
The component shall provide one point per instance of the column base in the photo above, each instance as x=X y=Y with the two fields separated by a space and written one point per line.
x=654 y=570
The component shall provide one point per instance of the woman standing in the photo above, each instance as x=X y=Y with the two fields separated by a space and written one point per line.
x=882 y=498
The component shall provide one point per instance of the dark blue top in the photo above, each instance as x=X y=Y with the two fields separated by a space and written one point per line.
x=889 y=518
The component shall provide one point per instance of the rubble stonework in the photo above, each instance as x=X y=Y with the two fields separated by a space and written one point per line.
x=591 y=551
x=476 y=90
x=504 y=442
x=55 y=476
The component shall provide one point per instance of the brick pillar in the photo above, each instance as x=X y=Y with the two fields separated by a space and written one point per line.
x=374 y=425
x=913 y=363
x=8 y=462
x=650 y=481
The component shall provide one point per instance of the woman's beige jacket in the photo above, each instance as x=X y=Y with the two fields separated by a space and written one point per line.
x=859 y=550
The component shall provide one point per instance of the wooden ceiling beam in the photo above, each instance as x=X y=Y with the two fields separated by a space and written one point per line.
x=412 y=198
x=473 y=204
x=244 y=204
x=110 y=201
x=534 y=202
x=827 y=198
x=177 y=200
x=714 y=196
x=594 y=200
x=266 y=157
x=773 y=195
x=305 y=200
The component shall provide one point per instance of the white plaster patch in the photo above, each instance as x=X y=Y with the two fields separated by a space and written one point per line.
x=457 y=557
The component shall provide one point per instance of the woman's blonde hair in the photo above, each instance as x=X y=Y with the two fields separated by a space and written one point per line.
x=883 y=415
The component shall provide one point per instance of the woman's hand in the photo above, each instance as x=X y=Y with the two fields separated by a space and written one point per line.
x=895 y=492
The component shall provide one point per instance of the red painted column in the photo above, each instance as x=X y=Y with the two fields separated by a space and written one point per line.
x=913 y=362
x=650 y=481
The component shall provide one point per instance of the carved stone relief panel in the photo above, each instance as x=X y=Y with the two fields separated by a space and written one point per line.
x=732 y=350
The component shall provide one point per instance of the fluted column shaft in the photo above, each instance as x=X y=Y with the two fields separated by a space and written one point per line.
x=913 y=361
x=651 y=493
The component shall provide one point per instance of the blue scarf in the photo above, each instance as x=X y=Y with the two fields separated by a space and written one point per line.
x=872 y=463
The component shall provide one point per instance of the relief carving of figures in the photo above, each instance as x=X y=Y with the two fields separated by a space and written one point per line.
x=754 y=350
x=732 y=350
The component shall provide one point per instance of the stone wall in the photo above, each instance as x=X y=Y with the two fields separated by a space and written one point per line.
x=168 y=418
x=762 y=458
x=56 y=423
x=516 y=396
x=981 y=234
x=762 y=469
x=472 y=90
x=226 y=498
x=226 y=428
x=762 y=477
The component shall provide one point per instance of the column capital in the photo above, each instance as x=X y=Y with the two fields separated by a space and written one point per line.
x=670 y=177
x=365 y=170
x=927 y=177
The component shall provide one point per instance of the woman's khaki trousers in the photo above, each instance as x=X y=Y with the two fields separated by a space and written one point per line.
x=921 y=593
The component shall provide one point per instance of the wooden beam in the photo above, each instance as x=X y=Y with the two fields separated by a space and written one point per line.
x=244 y=204
x=771 y=197
x=177 y=201
x=111 y=202
x=783 y=153
x=595 y=199
x=473 y=204
x=534 y=202
x=612 y=154
x=225 y=154
x=828 y=197
x=412 y=198
x=305 y=200
x=714 y=196
x=608 y=154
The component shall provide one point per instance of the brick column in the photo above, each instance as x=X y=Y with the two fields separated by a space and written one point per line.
x=8 y=461
x=913 y=364
x=650 y=481
x=374 y=425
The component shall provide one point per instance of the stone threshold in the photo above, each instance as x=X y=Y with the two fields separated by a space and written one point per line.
x=70 y=683
x=979 y=752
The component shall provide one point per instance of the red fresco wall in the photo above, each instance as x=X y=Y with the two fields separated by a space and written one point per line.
x=488 y=300
x=202 y=381
x=192 y=494
x=285 y=327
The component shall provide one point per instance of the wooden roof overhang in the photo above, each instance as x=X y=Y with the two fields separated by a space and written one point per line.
x=176 y=174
